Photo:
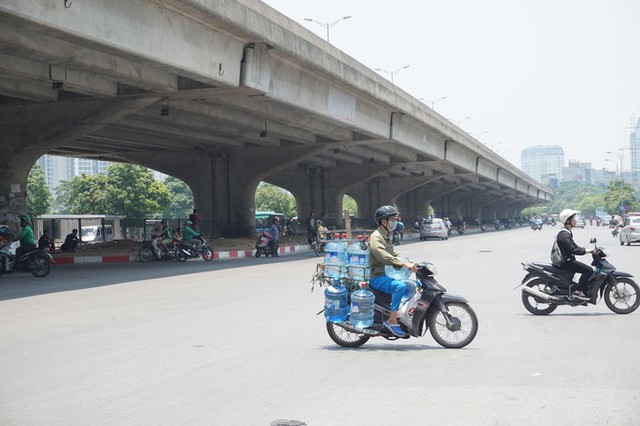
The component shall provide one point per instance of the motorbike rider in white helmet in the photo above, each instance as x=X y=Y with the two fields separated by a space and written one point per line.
x=381 y=253
x=570 y=249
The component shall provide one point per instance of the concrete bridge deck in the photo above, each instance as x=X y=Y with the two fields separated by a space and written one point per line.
x=224 y=95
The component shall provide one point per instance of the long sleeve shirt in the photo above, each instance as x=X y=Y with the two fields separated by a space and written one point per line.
x=381 y=253
x=568 y=247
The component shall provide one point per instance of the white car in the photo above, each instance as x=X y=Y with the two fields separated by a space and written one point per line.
x=580 y=222
x=433 y=227
x=631 y=233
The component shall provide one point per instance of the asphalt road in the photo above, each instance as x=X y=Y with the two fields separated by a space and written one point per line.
x=239 y=343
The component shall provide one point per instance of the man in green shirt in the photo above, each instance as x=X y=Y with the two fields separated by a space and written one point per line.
x=191 y=236
x=27 y=240
x=381 y=253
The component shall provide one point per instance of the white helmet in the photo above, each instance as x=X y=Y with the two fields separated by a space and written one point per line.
x=565 y=215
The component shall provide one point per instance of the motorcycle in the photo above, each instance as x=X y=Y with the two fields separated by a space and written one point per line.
x=396 y=238
x=483 y=228
x=37 y=261
x=536 y=226
x=318 y=246
x=184 y=250
x=615 y=232
x=496 y=224
x=179 y=251
x=264 y=245
x=546 y=287
x=462 y=228
x=449 y=318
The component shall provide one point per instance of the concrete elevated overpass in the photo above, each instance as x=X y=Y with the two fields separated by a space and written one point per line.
x=223 y=95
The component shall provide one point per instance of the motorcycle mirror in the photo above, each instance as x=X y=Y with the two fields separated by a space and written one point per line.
x=593 y=241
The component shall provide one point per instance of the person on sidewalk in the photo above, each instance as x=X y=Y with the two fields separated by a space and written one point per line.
x=70 y=242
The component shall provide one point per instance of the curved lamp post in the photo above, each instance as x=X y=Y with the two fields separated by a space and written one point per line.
x=327 y=25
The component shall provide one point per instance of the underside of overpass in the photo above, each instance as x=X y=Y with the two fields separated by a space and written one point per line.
x=223 y=95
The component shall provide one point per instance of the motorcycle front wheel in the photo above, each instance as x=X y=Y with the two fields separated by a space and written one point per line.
x=40 y=266
x=461 y=331
x=145 y=254
x=181 y=256
x=207 y=254
x=535 y=305
x=345 y=338
x=623 y=298
x=318 y=249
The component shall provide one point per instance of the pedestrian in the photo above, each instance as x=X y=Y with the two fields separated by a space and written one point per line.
x=45 y=242
x=70 y=242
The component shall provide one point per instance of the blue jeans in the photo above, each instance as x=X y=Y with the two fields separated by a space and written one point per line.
x=390 y=286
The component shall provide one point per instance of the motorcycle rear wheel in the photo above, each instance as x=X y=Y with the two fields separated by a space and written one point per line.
x=40 y=266
x=465 y=326
x=345 y=338
x=181 y=256
x=145 y=254
x=537 y=306
x=626 y=299
x=207 y=254
x=318 y=249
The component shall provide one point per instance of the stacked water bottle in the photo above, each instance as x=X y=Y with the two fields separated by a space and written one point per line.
x=351 y=262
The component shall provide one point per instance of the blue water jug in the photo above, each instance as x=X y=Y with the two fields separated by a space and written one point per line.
x=397 y=273
x=362 y=307
x=336 y=308
x=358 y=260
x=335 y=258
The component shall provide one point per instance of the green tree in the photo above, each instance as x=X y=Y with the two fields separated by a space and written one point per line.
x=618 y=194
x=274 y=198
x=181 y=203
x=350 y=204
x=125 y=189
x=38 y=193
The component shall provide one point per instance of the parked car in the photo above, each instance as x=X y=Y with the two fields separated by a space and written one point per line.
x=93 y=234
x=433 y=227
x=631 y=233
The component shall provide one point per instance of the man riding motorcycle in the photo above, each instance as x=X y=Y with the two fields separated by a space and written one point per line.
x=570 y=249
x=381 y=254
x=27 y=240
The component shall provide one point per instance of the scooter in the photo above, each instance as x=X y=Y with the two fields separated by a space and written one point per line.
x=37 y=261
x=427 y=306
x=264 y=245
x=546 y=287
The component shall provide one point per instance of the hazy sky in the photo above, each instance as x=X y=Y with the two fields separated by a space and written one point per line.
x=527 y=72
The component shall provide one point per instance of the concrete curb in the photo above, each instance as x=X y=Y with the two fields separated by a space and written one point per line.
x=217 y=255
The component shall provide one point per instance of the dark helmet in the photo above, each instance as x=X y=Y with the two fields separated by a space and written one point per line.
x=385 y=212
x=25 y=218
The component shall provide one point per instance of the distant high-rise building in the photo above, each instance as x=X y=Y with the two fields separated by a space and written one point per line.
x=634 y=145
x=544 y=163
x=56 y=169
x=578 y=171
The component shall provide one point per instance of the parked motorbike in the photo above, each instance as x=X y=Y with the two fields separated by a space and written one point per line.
x=179 y=251
x=546 y=287
x=37 y=261
x=449 y=318
x=264 y=245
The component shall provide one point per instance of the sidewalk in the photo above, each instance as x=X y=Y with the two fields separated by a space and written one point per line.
x=74 y=258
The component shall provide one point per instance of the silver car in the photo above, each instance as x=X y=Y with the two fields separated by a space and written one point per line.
x=631 y=233
x=433 y=227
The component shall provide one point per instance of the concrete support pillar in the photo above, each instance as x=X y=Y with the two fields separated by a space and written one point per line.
x=14 y=170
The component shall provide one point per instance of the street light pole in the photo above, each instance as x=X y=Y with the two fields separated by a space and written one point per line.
x=327 y=25
x=433 y=103
x=391 y=73
x=614 y=162
x=619 y=158
x=458 y=122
